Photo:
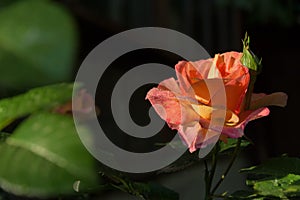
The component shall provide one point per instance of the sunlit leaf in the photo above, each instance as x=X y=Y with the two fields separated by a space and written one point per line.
x=243 y=194
x=36 y=99
x=277 y=177
x=282 y=187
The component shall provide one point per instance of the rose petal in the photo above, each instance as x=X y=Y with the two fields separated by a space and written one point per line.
x=186 y=104
x=195 y=76
x=201 y=92
x=238 y=130
x=170 y=84
x=195 y=136
x=237 y=91
x=190 y=72
x=274 y=99
x=229 y=65
x=211 y=137
x=190 y=133
x=235 y=94
x=207 y=112
x=236 y=78
x=170 y=106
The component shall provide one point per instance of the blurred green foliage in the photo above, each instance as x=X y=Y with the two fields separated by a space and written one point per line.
x=42 y=159
x=33 y=101
x=43 y=156
x=38 y=41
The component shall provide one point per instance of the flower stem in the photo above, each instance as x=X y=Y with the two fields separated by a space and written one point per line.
x=206 y=178
x=236 y=151
x=253 y=75
x=209 y=175
x=234 y=156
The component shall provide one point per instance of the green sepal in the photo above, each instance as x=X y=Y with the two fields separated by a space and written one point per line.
x=249 y=59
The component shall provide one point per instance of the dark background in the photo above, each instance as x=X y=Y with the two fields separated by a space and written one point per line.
x=220 y=25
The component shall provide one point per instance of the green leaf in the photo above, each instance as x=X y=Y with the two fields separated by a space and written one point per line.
x=44 y=157
x=277 y=177
x=37 y=44
x=283 y=187
x=36 y=99
x=276 y=167
x=231 y=144
x=243 y=194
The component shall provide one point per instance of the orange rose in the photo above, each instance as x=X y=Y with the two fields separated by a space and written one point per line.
x=185 y=104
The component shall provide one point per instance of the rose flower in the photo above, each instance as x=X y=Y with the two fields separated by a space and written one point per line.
x=186 y=104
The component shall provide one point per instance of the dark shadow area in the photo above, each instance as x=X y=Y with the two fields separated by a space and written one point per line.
x=219 y=26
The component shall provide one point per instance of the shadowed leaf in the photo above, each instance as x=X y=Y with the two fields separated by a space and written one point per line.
x=44 y=157
x=37 y=44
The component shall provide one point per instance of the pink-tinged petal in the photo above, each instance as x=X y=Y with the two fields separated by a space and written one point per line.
x=191 y=133
x=172 y=108
x=210 y=137
x=170 y=84
x=83 y=106
x=274 y=99
x=166 y=105
x=238 y=130
x=83 y=102
x=195 y=136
